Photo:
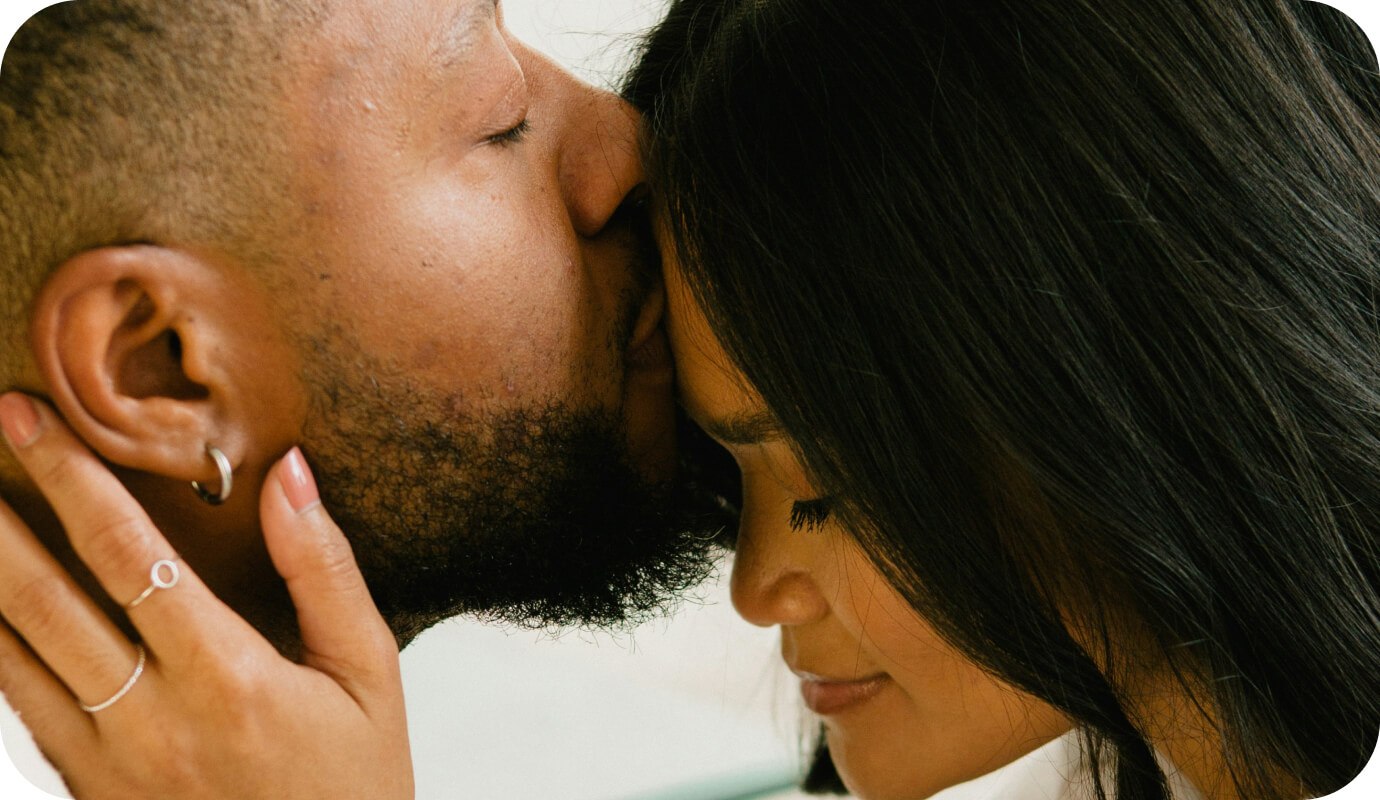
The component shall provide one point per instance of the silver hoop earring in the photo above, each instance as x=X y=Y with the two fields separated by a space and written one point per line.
x=227 y=478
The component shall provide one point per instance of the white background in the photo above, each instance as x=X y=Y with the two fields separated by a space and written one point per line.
x=708 y=685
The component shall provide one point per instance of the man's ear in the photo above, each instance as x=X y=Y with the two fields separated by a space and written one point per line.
x=149 y=353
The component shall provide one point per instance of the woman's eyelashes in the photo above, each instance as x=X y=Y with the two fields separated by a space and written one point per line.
x=513 y=135
x=809 y=515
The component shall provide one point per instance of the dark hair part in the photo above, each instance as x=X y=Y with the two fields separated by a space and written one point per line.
x=1072 y=308
x=125 y=121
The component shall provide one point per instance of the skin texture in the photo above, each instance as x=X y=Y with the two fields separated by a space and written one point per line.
x=937 y=719
x=464 y=283
x=485 y=268
x=468 y=203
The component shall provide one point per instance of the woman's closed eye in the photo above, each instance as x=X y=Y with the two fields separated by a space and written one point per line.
x=809 y=515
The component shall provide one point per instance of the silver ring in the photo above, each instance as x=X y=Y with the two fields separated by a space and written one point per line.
x=227 y=478
x=124 y=690
x=157 y=581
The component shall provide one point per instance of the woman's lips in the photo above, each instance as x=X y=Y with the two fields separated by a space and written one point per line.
x=825 y=696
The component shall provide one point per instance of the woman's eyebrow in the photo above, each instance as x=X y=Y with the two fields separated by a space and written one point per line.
x=745 y=428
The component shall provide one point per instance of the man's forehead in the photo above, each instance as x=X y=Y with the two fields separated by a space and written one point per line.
x=457 y=37
x=442 y=31
x=400 y=53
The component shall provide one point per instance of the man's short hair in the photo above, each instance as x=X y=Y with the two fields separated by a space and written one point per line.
x=132 y=121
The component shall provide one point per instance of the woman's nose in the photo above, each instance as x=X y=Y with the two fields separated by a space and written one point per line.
x=776 y=579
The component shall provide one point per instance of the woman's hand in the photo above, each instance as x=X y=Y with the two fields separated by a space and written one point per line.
x=215 y=712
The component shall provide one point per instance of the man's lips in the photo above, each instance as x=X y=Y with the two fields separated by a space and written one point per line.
x=826 y=696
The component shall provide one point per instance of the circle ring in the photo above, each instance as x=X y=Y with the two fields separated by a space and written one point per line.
x=157 y=581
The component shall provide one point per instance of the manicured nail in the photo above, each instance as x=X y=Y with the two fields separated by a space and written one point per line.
x=19 y=418
x=298 y=483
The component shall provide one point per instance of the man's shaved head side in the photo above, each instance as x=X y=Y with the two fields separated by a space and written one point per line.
x=128 y=121
x=389 y=233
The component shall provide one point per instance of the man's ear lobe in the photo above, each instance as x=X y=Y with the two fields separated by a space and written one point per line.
x=127 y=347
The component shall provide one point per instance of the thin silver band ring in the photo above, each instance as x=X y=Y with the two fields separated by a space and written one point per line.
x=124 y=690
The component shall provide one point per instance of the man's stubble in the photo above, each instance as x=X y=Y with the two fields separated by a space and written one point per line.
x=534 y=515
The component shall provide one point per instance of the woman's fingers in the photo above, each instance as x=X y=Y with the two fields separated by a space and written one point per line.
x=107 y=528
x=40 y=699
x=216 y=712
x=63 y=626
x=343 y=634
x=119 y=544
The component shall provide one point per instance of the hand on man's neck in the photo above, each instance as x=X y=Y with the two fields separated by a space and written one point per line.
x=223 y=544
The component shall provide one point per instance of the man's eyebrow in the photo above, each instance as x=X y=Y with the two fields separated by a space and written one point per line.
x=458 y=37
x=746 y=428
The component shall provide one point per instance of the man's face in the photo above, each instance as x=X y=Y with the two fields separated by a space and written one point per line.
x=480 y=316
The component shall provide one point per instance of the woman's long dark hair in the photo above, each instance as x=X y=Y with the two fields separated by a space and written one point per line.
x=1071 y=306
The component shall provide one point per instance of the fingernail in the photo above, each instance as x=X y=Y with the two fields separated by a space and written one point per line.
x=19 y=418
x=298 y=483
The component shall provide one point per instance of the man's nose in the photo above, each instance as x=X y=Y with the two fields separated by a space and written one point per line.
x=774 y=572
x=598 y=159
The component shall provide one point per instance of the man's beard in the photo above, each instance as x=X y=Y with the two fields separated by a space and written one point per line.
x=533 y=516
